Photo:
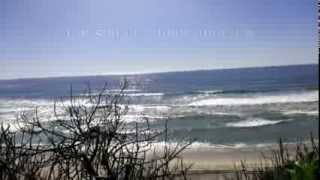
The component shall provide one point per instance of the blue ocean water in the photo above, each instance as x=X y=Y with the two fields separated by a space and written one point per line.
x=232 y=107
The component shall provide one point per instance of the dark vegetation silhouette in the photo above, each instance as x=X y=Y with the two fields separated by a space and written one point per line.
x=88 y=139
x=302 y=164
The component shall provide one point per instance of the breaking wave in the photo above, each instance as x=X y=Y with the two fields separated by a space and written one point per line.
x=144 y=94
x=295 y=112
x=254 y=123
x=256 y=100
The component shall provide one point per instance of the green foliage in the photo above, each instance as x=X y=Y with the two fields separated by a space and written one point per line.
x=307 y=168
x=303 y=164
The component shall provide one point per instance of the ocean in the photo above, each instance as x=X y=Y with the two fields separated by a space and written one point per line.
x=229 y=107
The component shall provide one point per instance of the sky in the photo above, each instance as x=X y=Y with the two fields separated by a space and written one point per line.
x=49 y=38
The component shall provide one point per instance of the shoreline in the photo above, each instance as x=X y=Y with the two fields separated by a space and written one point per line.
x=223 y=163
x=227 y=159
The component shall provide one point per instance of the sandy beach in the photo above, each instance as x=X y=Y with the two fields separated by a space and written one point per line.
x=220 y=163
x=222 y=159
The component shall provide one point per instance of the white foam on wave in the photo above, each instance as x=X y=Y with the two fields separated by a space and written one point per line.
x=254 y=123
x=19 y=105
x=130 y=93
x=139 y=117
x=140 y=108
x=198 y=146
x=311 y=113
x=132 y=118
x=203 y=146
x=111 y=91
x=8 y=110
x=144 y=94
x=225 y=113
x=11 y=109
x=158 y=147
x=13 y=126
x=256 y=100
x=8 y=117
x=210 y=91
x=124 y=90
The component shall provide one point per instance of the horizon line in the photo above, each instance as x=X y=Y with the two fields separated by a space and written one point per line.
x=154 y=72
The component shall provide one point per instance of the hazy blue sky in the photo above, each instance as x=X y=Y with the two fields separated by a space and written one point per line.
x=41 y=38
